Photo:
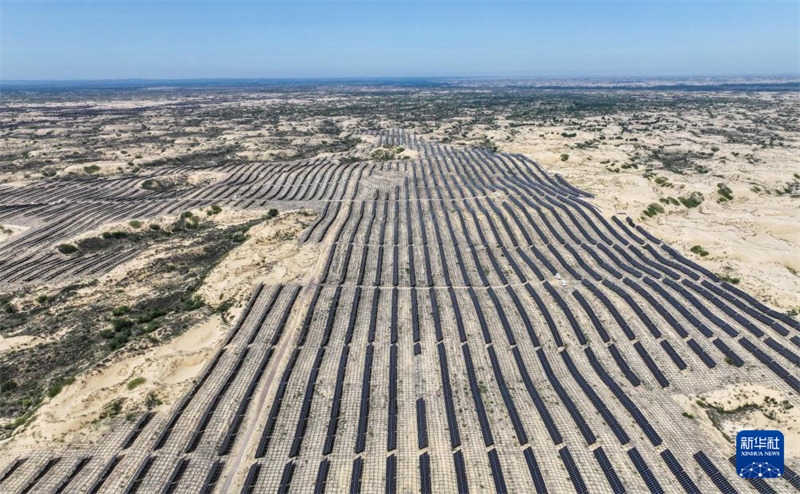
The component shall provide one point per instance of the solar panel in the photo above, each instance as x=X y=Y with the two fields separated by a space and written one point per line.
x=696 y=348
x=497 y=472
x=355 y=477
x=644 y=470
x=713 y=473
x=322 y=476
x=608 y=470
x=572 y=469
x=676 y=359
x=425 y=474
x=677 y=470
x=461 y=472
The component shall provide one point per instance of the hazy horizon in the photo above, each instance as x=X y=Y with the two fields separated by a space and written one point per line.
x=78 y=41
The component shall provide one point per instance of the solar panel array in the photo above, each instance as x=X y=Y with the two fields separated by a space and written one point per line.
x=475 y=324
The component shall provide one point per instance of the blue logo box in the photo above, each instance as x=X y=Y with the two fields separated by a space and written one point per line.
x=759 y=454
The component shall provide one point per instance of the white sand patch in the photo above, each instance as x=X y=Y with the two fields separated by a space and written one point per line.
x=744 y=407
x=15 y=343
x=103 y=168
x=7 y=231
x=271 y=255
x=167 y=370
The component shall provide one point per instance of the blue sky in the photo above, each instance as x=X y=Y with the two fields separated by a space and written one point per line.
x=202 y=39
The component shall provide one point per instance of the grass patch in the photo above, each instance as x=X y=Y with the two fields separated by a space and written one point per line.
x=726 y=194
x=135 y=383
x=653 y=209
x=67 y=248
x=58 y=385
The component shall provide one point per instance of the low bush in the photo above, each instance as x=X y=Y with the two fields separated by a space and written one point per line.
x=653 y=209
x=728 y=278
x=724 y=191
x=67 y=248
x=136 y=382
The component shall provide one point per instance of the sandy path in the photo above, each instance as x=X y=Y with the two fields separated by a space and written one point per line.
x=233 y=481
x=244 y=444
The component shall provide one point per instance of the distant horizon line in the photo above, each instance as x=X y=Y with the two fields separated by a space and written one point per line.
x=616 y=78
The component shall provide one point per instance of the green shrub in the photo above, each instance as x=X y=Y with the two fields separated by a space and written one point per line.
x=725 y=191
x=690 y=202
x=700 y=251
x=108 y=235
x=152 y=184
x=193 y=303
x=42 y=299
x=91 y=169
x=57 y=386
x=135 y=224
x=121 y=324
x=112 y=409
x=730 y=279
x=121 y=310
x=136 y=382
x=67 y=248
x=564 y=157
x=653 y=209
x=7 y=386
x=155 y=226
x=186 y=214
x=272 y=213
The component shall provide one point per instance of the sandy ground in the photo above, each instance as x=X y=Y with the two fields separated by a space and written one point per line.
x=7 y=231
x=14 y=342
x=755 y=237
x=168 y=370
x=271 y=255
x=772 y=413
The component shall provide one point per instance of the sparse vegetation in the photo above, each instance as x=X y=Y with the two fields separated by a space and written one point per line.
x=728 y=278
x=135 y=383
x=67 y=248
x=726 y=194
x=653 y=209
